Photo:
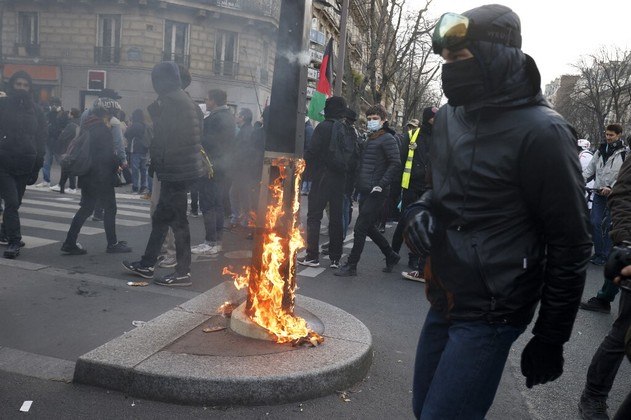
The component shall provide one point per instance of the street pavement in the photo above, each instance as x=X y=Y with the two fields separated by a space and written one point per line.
x=55 y=308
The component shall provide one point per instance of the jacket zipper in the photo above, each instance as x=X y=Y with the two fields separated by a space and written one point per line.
x=483 y=276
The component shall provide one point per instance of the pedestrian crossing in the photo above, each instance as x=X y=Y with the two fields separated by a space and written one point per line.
x=44 y=219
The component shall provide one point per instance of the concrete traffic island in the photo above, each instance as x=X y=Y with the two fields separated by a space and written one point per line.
x=172 y=359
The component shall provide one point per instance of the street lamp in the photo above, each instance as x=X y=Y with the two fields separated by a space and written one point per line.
x=339 y=71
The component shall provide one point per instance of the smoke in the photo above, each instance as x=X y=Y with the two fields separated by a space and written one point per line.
x=302 y=58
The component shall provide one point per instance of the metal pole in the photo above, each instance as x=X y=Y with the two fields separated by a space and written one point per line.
x=339 y=72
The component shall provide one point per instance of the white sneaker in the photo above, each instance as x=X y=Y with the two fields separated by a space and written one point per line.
x=218 y=247
x=202 y=248
x=168 y=261
x=71 y=191
x=43 y=185
x=55 y=188
x=413 y=275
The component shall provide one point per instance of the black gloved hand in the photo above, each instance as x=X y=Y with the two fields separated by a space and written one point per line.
x=541 y=362
x=417 y=233
x=32 y=179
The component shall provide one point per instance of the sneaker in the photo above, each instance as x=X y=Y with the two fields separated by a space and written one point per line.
x=194 y=213
x=201 y=249
x=324 y=249
x=413 y=275
x=169 y=261
x=43 y=185
x=73 y=249
x=250 y=236
x=309 y=262
x=134 y=192
x=55 y=188
x=335 y=264
x=218 y=247
x=596 y=304
x=391 y=260
x=347 y=270
x=174 y=280
x=97 y=219
x=137 y=268
x=592 y=409
x=13 y=250
x=119 y=247
x=71 y=190
x=3 y=239
x=598 y=260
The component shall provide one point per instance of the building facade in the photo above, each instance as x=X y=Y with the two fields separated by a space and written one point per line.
x=74 y=48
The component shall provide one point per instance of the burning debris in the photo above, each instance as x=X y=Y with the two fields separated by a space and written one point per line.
x=226 y=309
x=271 y=280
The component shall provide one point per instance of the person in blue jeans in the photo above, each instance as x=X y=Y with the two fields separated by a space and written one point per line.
x=504 y=223
x=138 y=137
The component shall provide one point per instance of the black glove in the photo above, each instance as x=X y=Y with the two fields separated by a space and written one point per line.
x=541 y=362
x=32 y=179
x=420 y=226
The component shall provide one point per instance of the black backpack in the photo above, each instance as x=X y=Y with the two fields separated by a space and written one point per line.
x=343 y=148
x=77 y=161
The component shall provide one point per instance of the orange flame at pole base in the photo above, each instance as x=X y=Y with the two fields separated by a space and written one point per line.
x=271 y=289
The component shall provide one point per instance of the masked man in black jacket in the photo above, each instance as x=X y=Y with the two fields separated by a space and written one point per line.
x=506 y=221
x=23 y=135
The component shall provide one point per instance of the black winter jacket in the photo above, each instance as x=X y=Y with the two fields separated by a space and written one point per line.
x=508 y=202
x=380 y=162
x=104 y=161
x=23 y=134
x=219 y=139
x=135 y=136
x=175 y=150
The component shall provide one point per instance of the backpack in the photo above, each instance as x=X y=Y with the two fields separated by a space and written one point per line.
x=77 y=160
x=343 y=148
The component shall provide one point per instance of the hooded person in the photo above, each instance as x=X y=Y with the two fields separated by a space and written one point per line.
x=505 y=222
x=177 y=160
x=327 y=187
x=23 y=133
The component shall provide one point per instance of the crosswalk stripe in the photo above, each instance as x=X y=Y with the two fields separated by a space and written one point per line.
x=70 y=215
x=311 y=271
x=75 y=207
x=34 y=241
x=60 y=227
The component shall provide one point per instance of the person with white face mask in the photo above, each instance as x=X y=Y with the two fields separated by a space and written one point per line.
x=380 y=164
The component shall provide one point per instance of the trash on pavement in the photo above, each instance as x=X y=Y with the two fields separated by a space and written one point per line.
x=26 y=406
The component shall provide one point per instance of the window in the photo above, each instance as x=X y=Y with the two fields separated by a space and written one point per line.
x=225 y=63
x=28 y=34
x=176 y=42
x=107 y=49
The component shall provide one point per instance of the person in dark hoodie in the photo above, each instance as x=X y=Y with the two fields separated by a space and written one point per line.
x=139 y=138
x=380 y=164
x=178 y=159
x=23 y=134
x=505 y=224
x=327 y=188
x=98 y=184
x=243 y=175
x=414 y=182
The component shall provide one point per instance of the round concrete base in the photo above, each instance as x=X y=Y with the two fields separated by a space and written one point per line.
x=172 y=359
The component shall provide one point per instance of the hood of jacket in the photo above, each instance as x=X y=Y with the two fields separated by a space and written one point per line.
x=21 y=74
x=165 y=77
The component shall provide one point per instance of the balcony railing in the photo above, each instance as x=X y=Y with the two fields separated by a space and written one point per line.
x=259 y=7
x=226 y=68
x=26 y=50
x=183 y=59
x=107 y=55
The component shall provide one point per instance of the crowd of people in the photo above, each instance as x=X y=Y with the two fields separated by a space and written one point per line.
x=491 y=192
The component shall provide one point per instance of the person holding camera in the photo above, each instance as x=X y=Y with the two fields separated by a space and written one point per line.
x=607 y=359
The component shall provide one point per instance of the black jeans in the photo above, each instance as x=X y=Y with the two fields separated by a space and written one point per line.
x=211 y=203
x=606 y=361
x=369 y=207
x=106 y=196
x=195 y=197
x=170 y=212
x=325 y=190
x=65 y=177
x=12 y=189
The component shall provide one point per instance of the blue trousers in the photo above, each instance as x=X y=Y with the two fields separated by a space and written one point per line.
x=601 y=222
x=458 y=367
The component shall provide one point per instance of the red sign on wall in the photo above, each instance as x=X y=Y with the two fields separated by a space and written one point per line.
x=97 y=79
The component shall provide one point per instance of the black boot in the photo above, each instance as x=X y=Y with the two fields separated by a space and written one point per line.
x=13 y=250
x=347 y=270
x=391 y=260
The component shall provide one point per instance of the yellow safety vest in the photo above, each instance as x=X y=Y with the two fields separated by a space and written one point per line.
x=407 y=170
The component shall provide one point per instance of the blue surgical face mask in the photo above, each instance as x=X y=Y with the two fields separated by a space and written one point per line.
x=373 y=125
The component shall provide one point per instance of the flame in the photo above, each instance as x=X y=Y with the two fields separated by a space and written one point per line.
x=267 y=289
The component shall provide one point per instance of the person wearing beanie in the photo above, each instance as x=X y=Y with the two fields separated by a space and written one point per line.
x=414 y=182
x=177 y=160
x=327 y=186
x=22 y=145
x=505 y=223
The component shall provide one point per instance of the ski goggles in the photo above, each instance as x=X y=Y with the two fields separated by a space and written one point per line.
x=454 y=31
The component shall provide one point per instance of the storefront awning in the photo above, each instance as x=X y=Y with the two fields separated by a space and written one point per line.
x=39 y=73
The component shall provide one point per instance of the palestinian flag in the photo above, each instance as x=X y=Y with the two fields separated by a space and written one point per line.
x=323 y=90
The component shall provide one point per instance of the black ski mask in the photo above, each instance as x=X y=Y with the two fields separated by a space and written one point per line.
x=463 y=81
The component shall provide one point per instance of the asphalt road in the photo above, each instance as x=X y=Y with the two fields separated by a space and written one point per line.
x=54 y=308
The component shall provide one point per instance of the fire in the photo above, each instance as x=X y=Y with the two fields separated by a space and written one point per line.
x=271 y=297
